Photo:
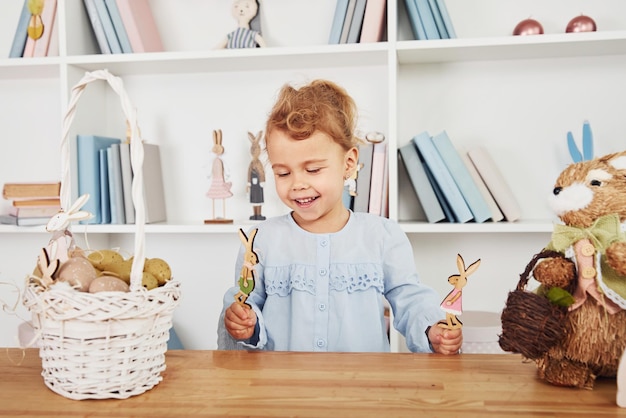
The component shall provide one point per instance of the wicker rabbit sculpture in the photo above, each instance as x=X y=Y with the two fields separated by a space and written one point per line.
x=583 y=271
x=246 y=278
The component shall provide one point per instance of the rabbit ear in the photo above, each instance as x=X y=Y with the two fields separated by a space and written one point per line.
x=79 y=203
x=472 y=267
x=460 y=263
x=80 y=215
x=219 y=136
x=247 y=241
x=251 y=137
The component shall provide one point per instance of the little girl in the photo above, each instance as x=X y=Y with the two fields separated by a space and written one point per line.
x=324 y=270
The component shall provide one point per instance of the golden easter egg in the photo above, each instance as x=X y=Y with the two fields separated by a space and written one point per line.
x=159 y=269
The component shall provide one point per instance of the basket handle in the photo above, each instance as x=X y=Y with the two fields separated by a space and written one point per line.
x=524 y=277
x=136 y=154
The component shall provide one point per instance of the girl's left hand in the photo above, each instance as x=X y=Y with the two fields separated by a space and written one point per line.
x=445 y=341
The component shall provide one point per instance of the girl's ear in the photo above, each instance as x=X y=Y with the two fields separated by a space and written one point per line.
x=351 y=160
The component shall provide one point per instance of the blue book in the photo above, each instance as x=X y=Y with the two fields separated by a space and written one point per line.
x=21 y=33
x=440 y=196
x=441 y=26
x=462 y=177
x=445 y=16
x=444 y=179
x=118 y=24
x=107 y=25
x=105 y=202
x=340 y=15
x=421 y=184
x=116 y=191
x=88 y=168
x=414 y=20
x=357 y=22
x=428 y=20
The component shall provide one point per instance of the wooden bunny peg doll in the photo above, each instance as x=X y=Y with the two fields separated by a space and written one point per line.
x=246 y=278
x=256 y=177
x=452 y=304
x=220 y=188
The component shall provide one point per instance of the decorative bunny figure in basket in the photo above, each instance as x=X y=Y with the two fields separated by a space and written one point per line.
x=246 y=278
x=62 y=241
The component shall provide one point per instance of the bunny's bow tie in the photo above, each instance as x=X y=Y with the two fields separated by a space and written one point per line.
x=604 y=231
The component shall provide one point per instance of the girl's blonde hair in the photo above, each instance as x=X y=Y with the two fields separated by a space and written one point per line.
x=318 y=106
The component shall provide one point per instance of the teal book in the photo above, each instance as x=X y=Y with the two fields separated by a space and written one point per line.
x=421 y=184
x=441 y=26
x=21 y=33
x=338 y=18
x=428 y=20
x=357 y=22
x=462 y=177
x=445 y=16
x=440 y=196
x=107 y=25
x=118 y=25
x=414 y=19
x=442 y=176
x=105 y=201
x=88 y=170
x=116 y=191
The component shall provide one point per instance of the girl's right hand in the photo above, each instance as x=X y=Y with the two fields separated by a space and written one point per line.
x=239 y=321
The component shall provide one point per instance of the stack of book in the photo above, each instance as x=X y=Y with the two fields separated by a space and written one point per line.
x=454 y=186
x=105 y=173
x=31 y=203
x=36 y=32
x=124 y=26
x=429 y=19
x=358 y=21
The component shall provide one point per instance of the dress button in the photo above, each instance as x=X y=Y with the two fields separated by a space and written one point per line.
x=589 y=272
x=321 y=343
x=322 y=272
x=588 y=250
x=323 y=243
x=322 y=306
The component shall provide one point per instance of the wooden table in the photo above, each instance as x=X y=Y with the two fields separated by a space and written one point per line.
x=223 y=383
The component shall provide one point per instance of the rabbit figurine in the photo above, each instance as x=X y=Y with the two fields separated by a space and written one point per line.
x=256 y=177
x=452 y=304
x=62 y=242
x=219 y=188
x=246 y=278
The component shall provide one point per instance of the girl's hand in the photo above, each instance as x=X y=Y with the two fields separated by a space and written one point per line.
x=239 y=321
x=445 y=341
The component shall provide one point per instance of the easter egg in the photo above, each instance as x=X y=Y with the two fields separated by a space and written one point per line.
x=108 y=284
x=78 y=272
x=104 y=259
x=159 y=269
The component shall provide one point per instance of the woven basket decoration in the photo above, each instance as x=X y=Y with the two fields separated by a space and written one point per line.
x=107 y=344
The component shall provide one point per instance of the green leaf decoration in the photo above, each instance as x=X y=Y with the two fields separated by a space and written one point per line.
x=559 y=297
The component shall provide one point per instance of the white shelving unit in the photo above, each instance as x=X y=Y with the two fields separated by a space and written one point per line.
x=516 y=95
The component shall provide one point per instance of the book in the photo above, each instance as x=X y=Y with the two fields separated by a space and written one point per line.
x=496 y=213
x=88 y=170
x=48 y=17
x=29 y=190
x=116 y=194
x=153 y=189
x=19 y=221
x=347 y=21
x=377 y=182
x=428 y=20
x=445 y=16
x=414 y=19
x=55 y=201
x=105 y=196
x=357 y=22
x=441 y=26
x=118 y=25
x=440 y=196
x=140 y=25
x=442 y=176
x=374 y=21
x=462 y=177
x=21 y=33
x=421 y=184
x=53 y=46
x=96 y=26
x=492 y=176
x=127 y=182
x=34 y=211
x=107 y=25
x=340 y=14
x=363 y=178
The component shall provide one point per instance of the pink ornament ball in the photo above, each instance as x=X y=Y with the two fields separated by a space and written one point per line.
x=581 y=23
x=528 y=27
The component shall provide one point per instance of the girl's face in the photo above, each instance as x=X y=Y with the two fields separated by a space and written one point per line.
x=309 y=176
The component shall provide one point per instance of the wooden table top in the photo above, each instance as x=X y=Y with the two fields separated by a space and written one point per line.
x=239 y=383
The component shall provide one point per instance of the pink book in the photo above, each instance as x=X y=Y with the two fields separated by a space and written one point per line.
x=140 y=26
x=48 y=16
x=374 y=21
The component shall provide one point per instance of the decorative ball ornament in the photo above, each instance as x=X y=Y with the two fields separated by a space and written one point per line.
x=581 y=23
x=528 y=27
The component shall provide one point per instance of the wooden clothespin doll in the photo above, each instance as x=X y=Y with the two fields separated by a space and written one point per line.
x=453 y=302
x=246 y=278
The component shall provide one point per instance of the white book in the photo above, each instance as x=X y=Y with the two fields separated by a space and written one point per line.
x=116 y=194
x=127 y=183
x=496 y=213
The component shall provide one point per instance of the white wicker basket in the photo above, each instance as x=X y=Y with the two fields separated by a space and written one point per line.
x=108 y=344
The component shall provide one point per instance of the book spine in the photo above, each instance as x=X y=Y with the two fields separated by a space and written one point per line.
x=363 y=179
x=140 y=25
x=445 y=16
x=21 y=33
x=97 y=27
x=377 y=183
x=441 y=26
x=127 y=183
x=426 y=15
x=105 y=201
x=337 y=25
x=116 y=194
x=48 y=18
x=374 y=21
x=120 y=31
x=345 y=30
x=357 y=22
x=414 y=19
x=107 y=25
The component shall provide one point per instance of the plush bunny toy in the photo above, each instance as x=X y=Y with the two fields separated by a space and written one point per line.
x=588 y=265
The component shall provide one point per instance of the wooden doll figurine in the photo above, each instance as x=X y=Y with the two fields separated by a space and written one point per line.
x=453 y=303
x=245 y=11
x=246 y=277
x=256 y=177
x=220 y=188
